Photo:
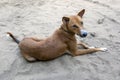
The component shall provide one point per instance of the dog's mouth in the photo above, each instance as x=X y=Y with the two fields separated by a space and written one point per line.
x=83 y=33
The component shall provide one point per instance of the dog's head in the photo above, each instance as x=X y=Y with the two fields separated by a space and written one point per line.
x=74 y=24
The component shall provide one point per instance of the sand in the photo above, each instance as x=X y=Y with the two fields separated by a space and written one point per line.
x=41 y=18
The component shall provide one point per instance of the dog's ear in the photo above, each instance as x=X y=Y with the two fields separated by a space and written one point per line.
x=81 y=13
x=65 y=19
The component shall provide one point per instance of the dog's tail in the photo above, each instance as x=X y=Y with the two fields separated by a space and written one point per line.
x=11 y=35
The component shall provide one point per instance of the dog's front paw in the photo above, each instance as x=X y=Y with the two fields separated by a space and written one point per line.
x=103 y=49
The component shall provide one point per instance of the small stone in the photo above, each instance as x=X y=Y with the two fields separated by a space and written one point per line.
x=111 y=35
x=100 y=21
x=93 y=34
x=18 y=16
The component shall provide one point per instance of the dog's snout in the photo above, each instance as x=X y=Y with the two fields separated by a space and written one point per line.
x=83 y=33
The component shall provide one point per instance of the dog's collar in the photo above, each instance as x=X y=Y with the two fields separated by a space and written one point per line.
x=69 y=32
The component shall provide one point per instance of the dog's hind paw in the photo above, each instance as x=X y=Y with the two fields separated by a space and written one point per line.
x=31 y=59
x=103 y=49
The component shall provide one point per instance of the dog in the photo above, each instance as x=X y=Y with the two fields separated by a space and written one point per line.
x=62 y=40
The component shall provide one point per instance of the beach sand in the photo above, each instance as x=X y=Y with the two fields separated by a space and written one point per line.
x=40 y=18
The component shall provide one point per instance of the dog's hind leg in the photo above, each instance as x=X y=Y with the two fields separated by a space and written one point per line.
x=87 y=51
x=29 y=58
x=36 y=39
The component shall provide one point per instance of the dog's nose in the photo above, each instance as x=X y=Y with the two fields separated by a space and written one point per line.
x=83 y=33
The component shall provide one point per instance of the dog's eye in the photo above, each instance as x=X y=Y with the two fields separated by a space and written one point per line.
x=81 y=23
x=75 y=26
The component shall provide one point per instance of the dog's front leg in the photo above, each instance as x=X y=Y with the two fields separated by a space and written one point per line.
x=83 y=45
x=87 y=51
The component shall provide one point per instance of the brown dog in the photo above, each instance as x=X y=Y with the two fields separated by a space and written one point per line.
x=56 y=45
